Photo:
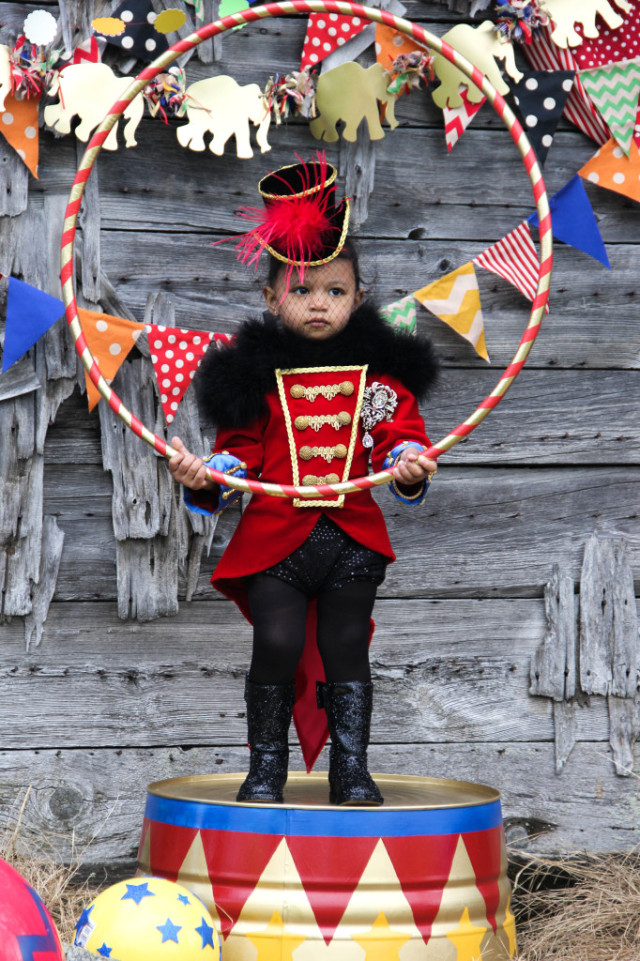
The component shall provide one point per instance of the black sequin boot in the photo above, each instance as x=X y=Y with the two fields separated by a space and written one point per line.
x=348 y=706
x=269 y=709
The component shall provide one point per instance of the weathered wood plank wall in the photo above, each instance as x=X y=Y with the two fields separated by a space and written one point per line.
x=93 y=706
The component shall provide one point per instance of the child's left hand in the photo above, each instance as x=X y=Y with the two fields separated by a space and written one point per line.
x=413 y=467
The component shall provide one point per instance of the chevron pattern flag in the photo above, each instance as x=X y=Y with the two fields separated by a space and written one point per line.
x=457 y=119
x=614 y=90
x=455 y=299
x=514 y=258
x=401 y=314
x=543 y=54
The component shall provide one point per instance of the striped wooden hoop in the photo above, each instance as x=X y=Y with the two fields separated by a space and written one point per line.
x=287 y=8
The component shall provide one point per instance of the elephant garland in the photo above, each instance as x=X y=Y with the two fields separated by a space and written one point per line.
x=566 y=13
x=351 y=93
x=220 y=106
x=483 y=47
x=88 y=91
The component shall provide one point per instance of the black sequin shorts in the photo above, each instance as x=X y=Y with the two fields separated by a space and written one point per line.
x=329 y=559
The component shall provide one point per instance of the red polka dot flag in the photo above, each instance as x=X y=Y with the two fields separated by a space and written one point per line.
x=176 y=354
x=325 y=33
x=611 y=46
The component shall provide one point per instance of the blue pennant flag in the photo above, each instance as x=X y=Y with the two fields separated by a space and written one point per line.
x=574 y=221
x=30 y=314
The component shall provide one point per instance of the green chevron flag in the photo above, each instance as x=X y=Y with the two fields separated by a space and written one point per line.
x=401 y=314
x=614 y=90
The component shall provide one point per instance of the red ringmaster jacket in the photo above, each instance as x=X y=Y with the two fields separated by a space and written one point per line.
x=302 y=412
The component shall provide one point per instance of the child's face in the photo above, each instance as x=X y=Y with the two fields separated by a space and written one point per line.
x=320 y=307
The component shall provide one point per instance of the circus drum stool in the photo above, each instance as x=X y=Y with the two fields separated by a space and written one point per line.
x=423 y=877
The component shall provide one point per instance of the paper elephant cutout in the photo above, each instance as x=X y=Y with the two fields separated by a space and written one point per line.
x=5 y=74
x=89 y=90
x=483 y=47
x=566 y=13
x=220 y=106
x=351 y=93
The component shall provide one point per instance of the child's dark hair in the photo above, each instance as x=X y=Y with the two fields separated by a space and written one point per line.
x=349 y=252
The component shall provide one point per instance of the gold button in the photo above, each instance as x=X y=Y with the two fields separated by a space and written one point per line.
x=297 y=391
x=331 y=479
x=301 y=423
x=346 y=388
x=344 y=417
x=306 y=453
x=340 y=451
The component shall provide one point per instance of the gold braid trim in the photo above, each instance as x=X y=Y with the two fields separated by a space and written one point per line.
x=329 y=391
x=324 y=503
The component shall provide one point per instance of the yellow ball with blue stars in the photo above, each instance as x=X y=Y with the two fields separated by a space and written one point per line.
x=148 y=918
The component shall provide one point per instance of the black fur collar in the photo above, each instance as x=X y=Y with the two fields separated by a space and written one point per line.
x=232 y=381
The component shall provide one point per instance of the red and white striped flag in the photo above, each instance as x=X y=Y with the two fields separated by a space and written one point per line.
x=457 y=119
x=543 y=54
x=515 y=259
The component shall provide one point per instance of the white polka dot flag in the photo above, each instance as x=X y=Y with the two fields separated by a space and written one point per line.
x=325 y=33
x=19 y=125
x=140 y=38
x=109 y=339
x=514 y=258
x=176 y=354
x=540 y=99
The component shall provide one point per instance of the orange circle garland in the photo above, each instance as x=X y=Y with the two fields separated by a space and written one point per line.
x=286 y=8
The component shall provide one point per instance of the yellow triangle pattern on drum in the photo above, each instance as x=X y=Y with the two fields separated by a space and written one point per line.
x=193 y=872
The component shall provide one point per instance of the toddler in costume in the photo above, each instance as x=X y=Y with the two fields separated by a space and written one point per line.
x=306 y=396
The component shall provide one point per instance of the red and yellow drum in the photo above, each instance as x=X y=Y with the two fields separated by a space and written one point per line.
x=423 y=877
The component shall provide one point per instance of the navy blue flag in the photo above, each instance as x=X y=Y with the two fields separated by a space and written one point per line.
x=540 y=98
x=30 y=314
x=574 y=221
x=140 y=38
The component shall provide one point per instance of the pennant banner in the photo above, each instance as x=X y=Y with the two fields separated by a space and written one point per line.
x=176 y=354
x=540 y=100
x=615 y=90
x=455 y=299
x=140 y=38
x=574 y=222
x=325 y=33
x=611 y=169
x=543 y=54
x=30 y=314
x=514 y=258
x=457 y=119
x=402 y=314
x=612 y=44
x=109 y=339
x=19 y=124
x=391 y=43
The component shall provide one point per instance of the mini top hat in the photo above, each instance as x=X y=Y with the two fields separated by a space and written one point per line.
x=301 y=224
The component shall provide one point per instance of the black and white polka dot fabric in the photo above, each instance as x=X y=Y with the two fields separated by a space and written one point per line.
x=539 y=100
x=140 y=39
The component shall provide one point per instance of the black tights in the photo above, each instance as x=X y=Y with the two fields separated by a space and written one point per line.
x=279 y=612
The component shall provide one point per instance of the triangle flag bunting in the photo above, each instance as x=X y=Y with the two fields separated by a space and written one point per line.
x=455 y=299
x=30 y=314
x=543 y=54
x=614 y=90
x=19 y=124
x=540 y=99
x=611 y=44
x=176 y=354
x=457 y=119
x=89 y=50
x=402 y=314
x=514 y=258
x=574 y=221
x=110 y=340
x=139 y=38
x=325 y=33
x=609 y=168
x=391 y=44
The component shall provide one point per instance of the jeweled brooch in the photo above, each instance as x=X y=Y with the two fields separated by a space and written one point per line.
x=378 y=404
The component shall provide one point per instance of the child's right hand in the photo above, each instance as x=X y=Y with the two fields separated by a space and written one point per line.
x=188 y=469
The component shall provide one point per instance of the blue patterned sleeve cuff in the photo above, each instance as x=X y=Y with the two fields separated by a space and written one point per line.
x=226 y=463
x=416 y=494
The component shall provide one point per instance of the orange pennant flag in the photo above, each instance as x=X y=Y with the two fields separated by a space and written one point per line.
x=612 y=169
x=109 y=339
x=19 y=124
x=391 y=43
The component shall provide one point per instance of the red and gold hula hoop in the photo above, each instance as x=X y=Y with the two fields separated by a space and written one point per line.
x=221 y=26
